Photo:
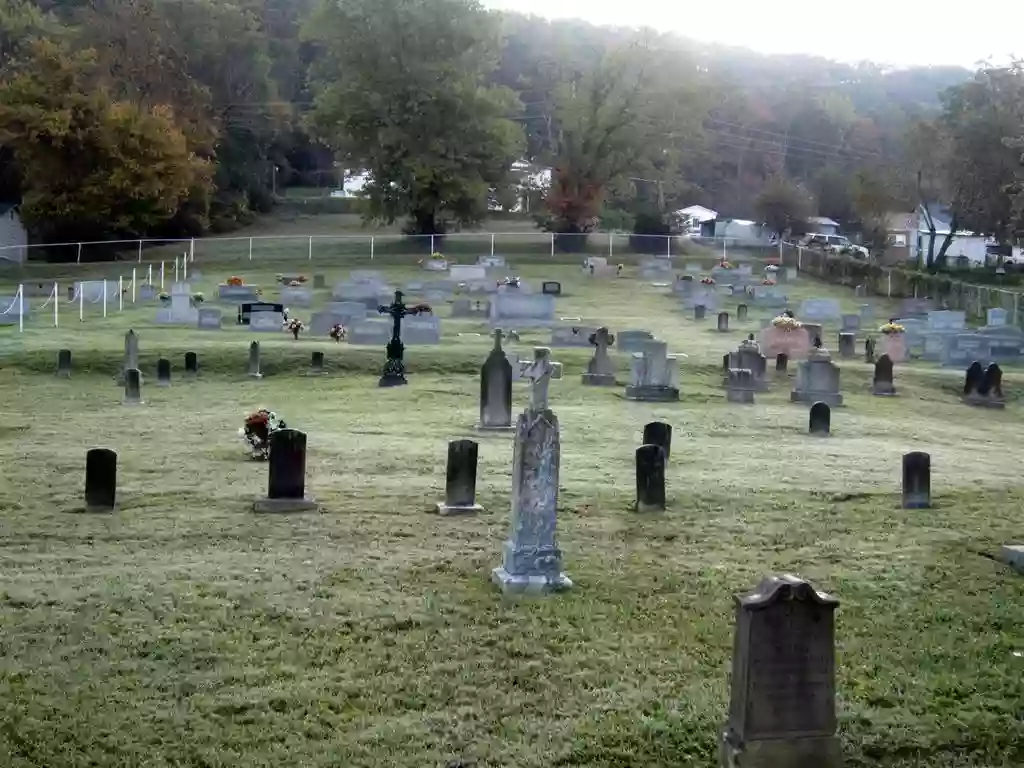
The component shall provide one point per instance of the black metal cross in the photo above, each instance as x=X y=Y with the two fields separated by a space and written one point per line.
x=394 y=367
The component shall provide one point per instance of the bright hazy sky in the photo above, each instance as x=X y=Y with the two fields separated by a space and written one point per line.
x=896 y=32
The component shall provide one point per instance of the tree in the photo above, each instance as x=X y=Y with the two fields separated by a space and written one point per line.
x=402 y=92
x=874 y=197
x=783 y=206
x=92 y=166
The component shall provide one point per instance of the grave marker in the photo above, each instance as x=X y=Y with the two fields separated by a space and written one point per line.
x=847 y=345
x=551 y=288
x=254 y=360
x=64 y=363
x=817 y=380
x=869 y=350
x=286 y=490
x=393 y=374
x=820 y=419
x=191 y=365
x=882 y=384
x=699 y=311
x=600 y=369
x=917 y=480
x=996 y=316
x=209 y=318
x=163 y=372
x=316 y=364
x=723 y=322
x=496 y=389
x=100 y=480
x=781 y=363
x=460 y=479
x=132 y=387
x=659 y=433
x=654 y=374
x=740 y=386
x=741 y=312
x=650 y=479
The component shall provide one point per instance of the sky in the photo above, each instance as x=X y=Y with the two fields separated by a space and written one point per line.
x=900 y=33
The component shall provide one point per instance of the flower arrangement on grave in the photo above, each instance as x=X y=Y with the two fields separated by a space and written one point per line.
x=258 y=292
x=198 y=298
x=301 y=279
x=707 y=281
x=772 y=268
x=437 y=256
x=294 y=284
x=165 y=298
x=891 y=328
x=767 y=281
x=512 y=281
x=256 y=432
x=787 y=323
x=234 y=280
x=337 y=332
x=293 y=326
x=723 y=264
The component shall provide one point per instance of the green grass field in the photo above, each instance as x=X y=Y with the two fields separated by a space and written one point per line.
x=184 y=630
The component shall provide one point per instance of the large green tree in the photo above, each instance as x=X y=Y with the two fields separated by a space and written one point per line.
x=402 y=92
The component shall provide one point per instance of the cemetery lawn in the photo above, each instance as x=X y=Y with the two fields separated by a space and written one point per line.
x=183 y=630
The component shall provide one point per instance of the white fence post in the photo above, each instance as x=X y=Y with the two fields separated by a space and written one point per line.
x=140 y=251
x=192 y=250
x=552 y=245
x=371 y=247
x=611 y=238
x=175 y=269
x=79 y=260
x=133 y=285
x=149 y=275
x=310 y=247
x=250 y=249
x=888 y=284
x=120 y=293
x=799 y=258
x=56 y=305
x=432 y=251
x=104 y=297
x=162 y=270
x=21 y=308
x=668 y=246
x=184 y=267
x=492 y=244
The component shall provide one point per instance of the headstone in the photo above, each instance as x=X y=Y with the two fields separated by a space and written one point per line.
x=850 y=323
x=917 y=480
x=659 y=433
x=882 y=384
x=781 y=363
x=191 y=365
x=131 y=351
x=247 y=309
x=699 y=312
x=973 y=378
x=297 y=296
x=795 y=344
x=496 y=389
x=64 y=363
x=435 y=265
x=522 y=310
x=209 y=318
x=632 y=341
x=996 y=316
x=572 y=336
x=460 y=479
x=497 y=262
x=947 y=320
x=989 y=389
x=600 y=369
x=820 y=419
x=869 y=350
x=817 y=380
x=782 y=704
x=287 y=475
x=654 y=374
x=237 y=293
x=740 y=386
x=723 y=321
x=254 y=361
x=316 y=364
x=551 y=288
x=467 y=273
x=163 y=372
x=132 y=387
x=372 y=331
x=815 y=331
x=741 y=312
x=421 y=330
x=319 y=281
x=819 y=311
x=465 y=307
x=650 y=478
x=181 y=311
x=266 y=322
x=860 y=291
x=532 y=561
x=100 y=480
x=911 y=307
x=847 y=345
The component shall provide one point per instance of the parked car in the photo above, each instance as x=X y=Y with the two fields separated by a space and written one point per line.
x=838 y=244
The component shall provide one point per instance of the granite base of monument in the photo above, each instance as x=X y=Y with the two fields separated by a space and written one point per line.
x=452 y=510
x=599 y=379
x=820 y=752
x=513 y=584
x=984 y=401
x=284 y=505
x=652 y=394
x=500 y=428
x=1013 y=556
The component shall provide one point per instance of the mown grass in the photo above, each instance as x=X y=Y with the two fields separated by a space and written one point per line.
x=184 y=630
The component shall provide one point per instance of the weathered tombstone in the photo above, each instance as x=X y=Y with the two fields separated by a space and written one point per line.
x=782 y=711
x=254 y=360
x=64 y=363
x=600 y=369
x=532 y=561
x=496 y=389
x=850 y=323
x=131 y=351
x=191 y=365
x=699 y=312
x=723 y=321
x=287 y=475
x=209 y=318
x=740 y=386
x=132 y=387
x=996 y=317
x=316 y=364
x=972 y=379
x=319 y=281
x=882 y=383
x=817 y=379
x=917 y=480
x=820 y=419
x=460 y=479
x=163 y=372
x=551 y=288
x=988 y=389
x=992 y=382
x=650 y=478
x=847 y=345
x=654 y=374
x=781 y=363
x=725 y=362
x=659 y=433
x=741 y=312
x=869 y=350
x=100 y=480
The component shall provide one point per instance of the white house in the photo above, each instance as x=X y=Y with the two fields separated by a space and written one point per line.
x=908 y=237
x=696 y=220
x=822 y=225
x=744 y=232
x=13 y=237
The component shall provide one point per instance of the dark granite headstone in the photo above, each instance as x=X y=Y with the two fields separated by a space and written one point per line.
x=287 y=475
x=869 y=350
x=551 y=288
x=847 y=345
x=316 y=364
x=100 y=480
x=163 y=372
x=460 y=479
x=191 y=365
x=699 y=312
x=659 y=433
x=496 y=389
x=781 y=362
x=741 y=312
x=992 y=382
x=821 y=419
x=650 y=478
x=246 y=310
x=972 y=380
x=882 y=384
x=917 y=480
x=132 y=387
x=64 y=363
x=782 y=711
x=723 y=321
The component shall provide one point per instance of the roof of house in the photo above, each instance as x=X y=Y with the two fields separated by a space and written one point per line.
x=5 y=207
x=698 y=212
x=823 y=220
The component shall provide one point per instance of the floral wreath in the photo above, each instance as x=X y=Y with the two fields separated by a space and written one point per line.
x=707 y=281
x=234 y=280
x=259 y=426
x=338 y=332
x=512 y=281
x=787 y=323
x=892 y=327
x=293 y=326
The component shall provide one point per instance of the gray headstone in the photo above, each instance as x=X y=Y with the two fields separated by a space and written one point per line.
x=521 y=310
x=209 y=318
x=286 y=491
x=319 y=281
x=266 y=322
x=132 y=387
x=740 y=386
x=64 y=363
x=551 y=288
x=820 y=419
x=572 y=336
x=297 y=296
x=741 y=312
x=996 y=316
x=819 y=311
x=496 y=388
x=850 y=323
x=460 y=479
x=632 y=341
x=467 y=307
x=372 y=331
x=654 y=374
x=163 y=372
x=254 y=360
x=882 y=384
x=650 y=478
x=847 y=345
x=723 y=321
x=917 y=480
x=600 y=369
x=422 y=329
x=782 y=704
x=817 y=380
x=238 y=293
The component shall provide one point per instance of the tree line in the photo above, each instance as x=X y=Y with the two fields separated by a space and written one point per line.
x=131 y=118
